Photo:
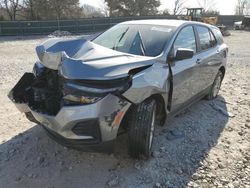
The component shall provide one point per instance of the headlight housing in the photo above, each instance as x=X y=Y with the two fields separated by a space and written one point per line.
x=71 y=99
x=79 y=92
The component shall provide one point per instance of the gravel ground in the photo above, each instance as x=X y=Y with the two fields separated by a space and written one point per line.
x=207 y=145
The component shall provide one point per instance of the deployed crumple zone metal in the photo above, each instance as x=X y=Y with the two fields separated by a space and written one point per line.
x=127 y=79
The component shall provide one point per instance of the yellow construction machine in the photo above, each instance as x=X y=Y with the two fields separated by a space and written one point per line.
x=197 y=14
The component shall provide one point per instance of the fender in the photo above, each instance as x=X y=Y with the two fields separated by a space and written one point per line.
x=153 y=80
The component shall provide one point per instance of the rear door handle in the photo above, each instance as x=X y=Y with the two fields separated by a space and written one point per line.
x=198 y=61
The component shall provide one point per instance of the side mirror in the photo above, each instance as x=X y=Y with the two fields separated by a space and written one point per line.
x=183 y=53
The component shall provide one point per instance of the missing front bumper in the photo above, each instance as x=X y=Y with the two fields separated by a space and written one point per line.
x=107 y=112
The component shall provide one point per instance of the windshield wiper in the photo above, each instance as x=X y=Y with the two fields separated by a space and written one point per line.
x=143 y=50
x=122 y=35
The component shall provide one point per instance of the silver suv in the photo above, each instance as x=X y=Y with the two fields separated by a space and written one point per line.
x=129 y=78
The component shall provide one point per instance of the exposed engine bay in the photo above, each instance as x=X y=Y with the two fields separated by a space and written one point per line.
x=46 y=91
x=41 y=90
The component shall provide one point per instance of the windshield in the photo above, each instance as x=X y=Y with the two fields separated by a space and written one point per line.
x=148 y=40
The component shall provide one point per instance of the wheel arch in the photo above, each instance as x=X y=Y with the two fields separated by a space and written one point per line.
x=161 y=110
x=223 y=70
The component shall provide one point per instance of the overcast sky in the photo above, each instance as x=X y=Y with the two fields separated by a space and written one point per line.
x=224 y=6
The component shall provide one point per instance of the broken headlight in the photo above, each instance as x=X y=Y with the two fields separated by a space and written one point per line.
x=88 y=92
x=71 y=99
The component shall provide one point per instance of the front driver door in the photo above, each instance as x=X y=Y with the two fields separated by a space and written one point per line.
x=185 y=72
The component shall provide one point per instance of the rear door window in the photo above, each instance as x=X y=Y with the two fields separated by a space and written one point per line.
x=207 y=39
x=218 y=35
x=204 y=37
x=213 y=41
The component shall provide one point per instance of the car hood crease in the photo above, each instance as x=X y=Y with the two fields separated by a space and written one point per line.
x=82 y=59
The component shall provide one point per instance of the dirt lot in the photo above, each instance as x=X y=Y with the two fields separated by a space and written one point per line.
x=201 y=147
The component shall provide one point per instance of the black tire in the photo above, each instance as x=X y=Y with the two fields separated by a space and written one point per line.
x=215 y=87
x=141 y=129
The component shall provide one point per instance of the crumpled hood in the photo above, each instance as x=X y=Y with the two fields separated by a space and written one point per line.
x=82 y=59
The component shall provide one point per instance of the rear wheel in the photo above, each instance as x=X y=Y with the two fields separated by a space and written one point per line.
x=142 y=125
x=216 y=86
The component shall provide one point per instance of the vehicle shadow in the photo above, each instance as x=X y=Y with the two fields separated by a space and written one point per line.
x=32 y=159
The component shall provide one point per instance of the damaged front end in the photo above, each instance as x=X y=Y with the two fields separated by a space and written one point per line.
x=80 y=91
x=77 y=100
x=90 y=111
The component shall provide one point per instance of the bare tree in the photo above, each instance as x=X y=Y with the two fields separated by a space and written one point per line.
x=242 y=7
x=11 y=7
x=207 y=4
x=29 y=9
x=178 y=7
x=247 y=10
x=104 y=8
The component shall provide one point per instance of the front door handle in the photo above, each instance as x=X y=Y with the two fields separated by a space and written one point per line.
x=198 y=61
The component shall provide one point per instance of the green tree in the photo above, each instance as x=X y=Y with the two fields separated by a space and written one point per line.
x=114 y=7
x=132 y=7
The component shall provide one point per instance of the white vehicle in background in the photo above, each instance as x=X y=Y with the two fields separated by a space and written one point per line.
x=238 y=25
x=243 y=25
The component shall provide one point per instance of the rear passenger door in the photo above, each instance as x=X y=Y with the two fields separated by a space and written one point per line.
x=208 y=57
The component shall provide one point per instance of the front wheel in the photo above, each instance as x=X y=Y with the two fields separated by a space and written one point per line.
x=141 y=128
x=215 y=87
